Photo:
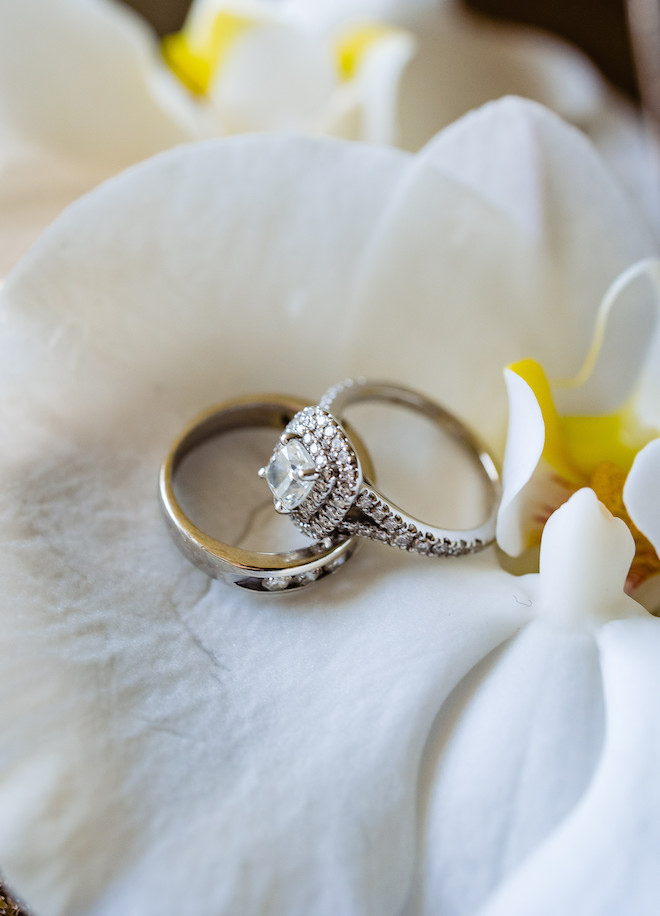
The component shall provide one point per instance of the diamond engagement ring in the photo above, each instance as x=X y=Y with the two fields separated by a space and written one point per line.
x=317 y=477
x=248 y=569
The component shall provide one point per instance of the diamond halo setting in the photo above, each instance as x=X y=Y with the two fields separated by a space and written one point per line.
x=314 y=473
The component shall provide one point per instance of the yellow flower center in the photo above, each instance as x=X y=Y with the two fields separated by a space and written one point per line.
x=595 y=452
x=197 y=53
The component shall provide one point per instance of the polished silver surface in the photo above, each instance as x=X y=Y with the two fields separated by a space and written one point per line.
x=345 y=500
x=272 y=573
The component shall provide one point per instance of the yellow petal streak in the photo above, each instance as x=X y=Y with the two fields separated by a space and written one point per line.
x=196 y=56
x=596 y=452
x=354 y=43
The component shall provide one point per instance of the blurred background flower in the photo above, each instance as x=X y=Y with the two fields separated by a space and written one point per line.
x=87 y=88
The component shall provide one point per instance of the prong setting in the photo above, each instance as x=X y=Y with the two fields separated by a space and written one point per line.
x=307 y=474
x=315 y=472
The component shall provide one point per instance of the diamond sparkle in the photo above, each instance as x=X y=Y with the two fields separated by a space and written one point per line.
x=283 y=473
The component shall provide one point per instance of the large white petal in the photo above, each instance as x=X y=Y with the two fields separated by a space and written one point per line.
x=501 y=257
x=601 y=862
x=164 y=737
x=82 y=77
x=516 y=747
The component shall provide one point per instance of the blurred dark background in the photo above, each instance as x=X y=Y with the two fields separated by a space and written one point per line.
x=599 y=27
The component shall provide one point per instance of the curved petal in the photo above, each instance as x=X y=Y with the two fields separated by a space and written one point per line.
x=482 y=249
x=623 y=334
x=601 y=860
x=83 y=78
x=516 y=747
x=181 y=741
x=367 y=106
x=586 y=553
x=531 y=487
x=641 y=492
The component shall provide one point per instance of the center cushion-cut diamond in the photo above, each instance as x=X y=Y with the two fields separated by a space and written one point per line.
x=282 y=473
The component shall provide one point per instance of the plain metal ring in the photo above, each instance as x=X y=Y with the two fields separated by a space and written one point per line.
x=260 y=572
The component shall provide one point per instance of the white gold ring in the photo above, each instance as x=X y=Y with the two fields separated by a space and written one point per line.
x=318 y=480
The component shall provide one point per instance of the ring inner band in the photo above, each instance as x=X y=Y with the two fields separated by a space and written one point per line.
x=344 y=395
x=246 y=568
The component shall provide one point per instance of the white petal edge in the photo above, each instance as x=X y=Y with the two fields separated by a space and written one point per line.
x=525 y=439
x=601 y=861
x=641 y=492
x=624 y=331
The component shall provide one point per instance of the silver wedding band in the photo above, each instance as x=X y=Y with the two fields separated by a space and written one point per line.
x=247 y=569
x=317 y=477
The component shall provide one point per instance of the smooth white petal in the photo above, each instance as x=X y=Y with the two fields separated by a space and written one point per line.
x=624 y=331
x=512 y=752
x=641 y=492
x=600 y=861
x=470 y=60
x=501 y=257
x=35 y=185
x=525 y=439
x=516 y=747
x=82 y=77
x=586 y=553
x=275 y=77
x=182 y=738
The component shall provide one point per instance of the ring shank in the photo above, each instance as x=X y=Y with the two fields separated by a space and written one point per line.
x=249 y=569
x=353 y=391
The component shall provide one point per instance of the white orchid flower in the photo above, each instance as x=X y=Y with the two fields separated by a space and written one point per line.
x=600 y=429
x=412 y=737
x=86 y=89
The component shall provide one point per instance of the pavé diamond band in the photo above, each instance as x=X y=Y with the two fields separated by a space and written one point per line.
x=248 y=569
x=317 y=478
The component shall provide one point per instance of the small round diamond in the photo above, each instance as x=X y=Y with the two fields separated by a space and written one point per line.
x=276 y=583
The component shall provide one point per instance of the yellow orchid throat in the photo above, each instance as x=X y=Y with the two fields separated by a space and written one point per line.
x=196 y=54
x=593 y=451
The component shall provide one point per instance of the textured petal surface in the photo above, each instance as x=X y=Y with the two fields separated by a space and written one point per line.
x=248 y=723
x=181 y=738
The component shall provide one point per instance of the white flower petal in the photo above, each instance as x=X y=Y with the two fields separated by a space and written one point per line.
x=82 y=78
x=524 y=447
x=641 y=492
x=516 y=747
x=479 y=250
x=586 y=553
x=600 y=860
x=181 y=739
x=367 y=106
x=275 y=77
x=624 y=332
